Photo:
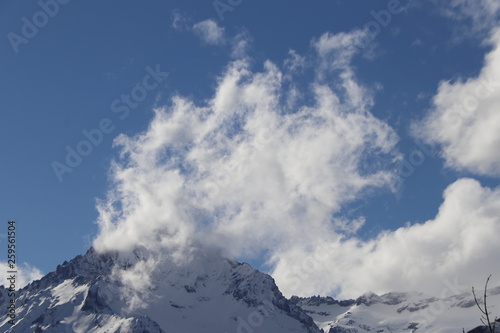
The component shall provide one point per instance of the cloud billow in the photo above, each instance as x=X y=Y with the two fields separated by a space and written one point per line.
x=458 y=247
x=465 y=120
x=265 y=167
x=243 y=172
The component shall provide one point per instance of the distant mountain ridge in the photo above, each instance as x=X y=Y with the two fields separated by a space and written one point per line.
x=398 y=312
x=215 y=294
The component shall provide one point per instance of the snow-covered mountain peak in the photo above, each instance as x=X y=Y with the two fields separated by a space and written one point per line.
x=111 y=292
x=150 y=292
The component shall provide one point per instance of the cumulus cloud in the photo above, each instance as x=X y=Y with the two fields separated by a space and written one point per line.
x=458 y=247
x=259 y=168
x=244 y=171
x=25 y=274
x=465 y=121
x=209 y=32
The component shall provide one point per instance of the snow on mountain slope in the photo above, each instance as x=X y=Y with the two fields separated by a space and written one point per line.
x=398 y=312
x=214 y=294
x=210 y=294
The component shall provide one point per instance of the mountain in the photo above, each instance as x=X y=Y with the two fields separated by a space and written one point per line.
x=400 y=312
x=209 y=294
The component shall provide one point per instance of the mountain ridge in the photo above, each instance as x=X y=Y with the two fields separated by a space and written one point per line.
x=87 y=295
x=96 y=292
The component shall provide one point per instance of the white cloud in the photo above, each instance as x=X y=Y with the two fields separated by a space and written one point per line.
x=25 y=274
x=244 y=172
x=459 y=247
x=210 y=32
x=240 y=45
x=337 y=50
x=472 y=16
x=465 y=120
x=295 y=62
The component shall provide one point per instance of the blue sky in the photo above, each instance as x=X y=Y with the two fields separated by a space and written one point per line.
x=71 y=75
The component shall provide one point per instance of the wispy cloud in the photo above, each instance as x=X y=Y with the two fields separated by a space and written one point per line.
x=337 y=50
x=180 y=21
x=209 y=32
x=472 y=17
